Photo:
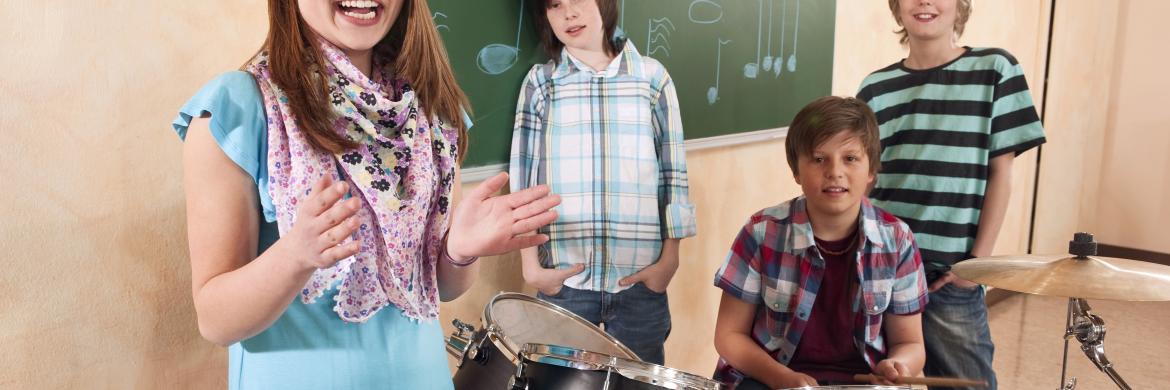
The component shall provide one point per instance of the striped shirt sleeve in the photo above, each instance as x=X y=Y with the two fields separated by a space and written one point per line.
x=1015 y=125
x=675 y=209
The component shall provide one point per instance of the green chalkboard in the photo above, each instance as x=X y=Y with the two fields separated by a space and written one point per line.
x=738 y=65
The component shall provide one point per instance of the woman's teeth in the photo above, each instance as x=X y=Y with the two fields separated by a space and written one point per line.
x=359 y=4
x=366 y=16
x=359 y=9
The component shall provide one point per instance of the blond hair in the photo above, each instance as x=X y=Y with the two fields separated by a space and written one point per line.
x=963 y=12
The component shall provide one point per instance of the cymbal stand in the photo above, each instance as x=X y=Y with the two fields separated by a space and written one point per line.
x=1086 y=327
x=1072 y=382
x=1089 y=330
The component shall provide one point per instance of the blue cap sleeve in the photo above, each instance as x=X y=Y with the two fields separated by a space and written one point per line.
x=238 y=124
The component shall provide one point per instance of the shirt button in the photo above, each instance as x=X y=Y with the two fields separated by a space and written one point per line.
x=776 y=305
x=802 y=314
x=875 y=307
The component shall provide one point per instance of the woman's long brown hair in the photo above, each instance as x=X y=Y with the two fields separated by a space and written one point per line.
x=414 y=44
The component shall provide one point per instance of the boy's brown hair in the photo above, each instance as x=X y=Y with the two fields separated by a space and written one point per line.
x=962 y=13
x=826 y=117
x=548 y=39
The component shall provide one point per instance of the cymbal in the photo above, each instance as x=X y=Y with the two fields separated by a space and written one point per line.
x=1092 y=277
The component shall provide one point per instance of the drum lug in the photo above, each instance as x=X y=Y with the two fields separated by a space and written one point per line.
x=481 y=337
x=459 y=343
x=517 y=382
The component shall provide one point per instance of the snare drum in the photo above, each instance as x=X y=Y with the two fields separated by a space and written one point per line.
x=488 y=357
x=552 y=367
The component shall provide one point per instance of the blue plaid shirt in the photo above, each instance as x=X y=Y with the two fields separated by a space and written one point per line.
x=774 y=263
x=610 y=143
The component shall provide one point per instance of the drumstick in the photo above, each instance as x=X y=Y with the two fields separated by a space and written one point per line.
x=935 y=381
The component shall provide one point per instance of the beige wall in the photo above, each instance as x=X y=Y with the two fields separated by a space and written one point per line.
x=1133 y=205
x=97 y=290
x=96 y=284
x=1078 y=112
x=1109 y=173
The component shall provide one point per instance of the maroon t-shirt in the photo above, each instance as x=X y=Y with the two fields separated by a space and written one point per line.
x=826 y=350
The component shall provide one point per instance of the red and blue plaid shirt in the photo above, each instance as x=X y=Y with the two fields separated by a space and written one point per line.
x=774 y=262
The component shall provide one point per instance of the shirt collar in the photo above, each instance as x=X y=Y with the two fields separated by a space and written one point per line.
x=628 y=61
x=803 y=233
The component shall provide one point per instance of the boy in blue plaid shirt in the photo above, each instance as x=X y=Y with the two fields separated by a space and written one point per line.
x=824 y=286
x=599 y=124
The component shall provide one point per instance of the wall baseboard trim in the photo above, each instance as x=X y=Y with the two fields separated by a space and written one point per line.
x=1133 y=254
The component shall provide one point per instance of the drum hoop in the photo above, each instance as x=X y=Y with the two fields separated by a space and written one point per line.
x=495 y=334
x=574 y=358
x=631 y=369
x=854 y=387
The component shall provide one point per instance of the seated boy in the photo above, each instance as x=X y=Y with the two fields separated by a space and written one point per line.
x=824 y=286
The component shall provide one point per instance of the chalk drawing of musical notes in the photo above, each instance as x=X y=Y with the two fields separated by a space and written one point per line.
x=778 y=67
x=751 y=69
x=702 y=17
x=623 y=14
x=713 y=92
x=497 y=58
x=657 y=35
x=795 y=34
x=767 y=64
x=440 y=26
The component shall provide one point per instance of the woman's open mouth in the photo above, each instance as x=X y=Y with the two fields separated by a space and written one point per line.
x=360 y=12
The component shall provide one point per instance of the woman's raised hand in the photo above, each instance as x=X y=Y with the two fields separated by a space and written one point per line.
x=323 y=221
x=485 y=225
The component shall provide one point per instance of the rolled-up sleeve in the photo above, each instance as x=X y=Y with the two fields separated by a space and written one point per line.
x=678 y=214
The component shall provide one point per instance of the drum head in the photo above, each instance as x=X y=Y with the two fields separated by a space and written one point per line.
x=520 y=319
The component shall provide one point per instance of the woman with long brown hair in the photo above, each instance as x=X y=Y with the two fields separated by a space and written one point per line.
x=319 y=183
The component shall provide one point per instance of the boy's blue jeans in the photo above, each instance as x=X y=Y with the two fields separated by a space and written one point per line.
x=637 y=316
x=958 y=339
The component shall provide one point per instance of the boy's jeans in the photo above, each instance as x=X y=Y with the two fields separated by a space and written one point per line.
x=637 y=316
x=958 y=339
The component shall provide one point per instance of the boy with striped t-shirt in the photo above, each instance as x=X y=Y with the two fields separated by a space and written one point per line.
x=952 y=119
x=600 y=125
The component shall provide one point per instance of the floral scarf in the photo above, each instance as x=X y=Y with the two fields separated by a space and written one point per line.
x=402 y=171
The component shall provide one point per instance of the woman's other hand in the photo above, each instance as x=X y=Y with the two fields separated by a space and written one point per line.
x=485 y=225
x=324 y=221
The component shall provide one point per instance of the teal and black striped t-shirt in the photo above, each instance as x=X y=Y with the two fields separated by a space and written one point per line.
x=940 y=128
